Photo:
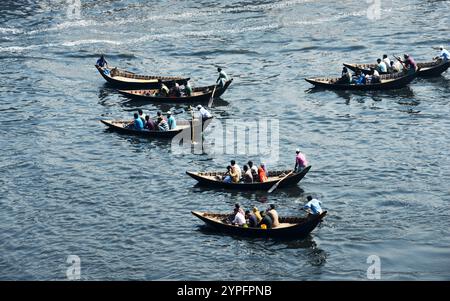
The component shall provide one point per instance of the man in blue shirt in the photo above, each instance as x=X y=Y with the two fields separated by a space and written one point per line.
x=171 y=121
x=313 y=206
x=138 y=124
x=444 y=55
x=102 y=62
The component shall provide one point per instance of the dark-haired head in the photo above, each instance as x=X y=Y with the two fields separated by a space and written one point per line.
x=232 y=162
x=219 y=69
x=385 y=56
x=136 y=115
x=140 y=112
x=309 y=198
x=379 y=61
x=250 y=164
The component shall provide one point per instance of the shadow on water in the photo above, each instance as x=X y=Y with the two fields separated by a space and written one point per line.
x=261 y=196
x=314 y=255
x=349 y=95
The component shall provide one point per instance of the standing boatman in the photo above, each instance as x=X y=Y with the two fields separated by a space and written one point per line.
x=222 y=79
x=300 y=161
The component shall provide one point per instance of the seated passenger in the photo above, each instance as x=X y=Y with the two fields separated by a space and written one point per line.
x=239 y=218
x=248 y=178
x=171 y=121
x=149 y=123
x=257 y=214
x=254 y=170
x=262 y=174
x=138 y=124
x=252 y=220
x=163 y=90
x=346 y=78
x=266 y=220
x=227 y=176
x=162 y=123
x=381 y=67
x=273 y=215
x=175 y=90
x=235 y=176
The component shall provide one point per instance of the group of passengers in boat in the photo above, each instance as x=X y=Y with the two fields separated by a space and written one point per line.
x=251 y=173
x=177 y=90
x=383 y=66
x=269 y=218
x=255 y=219
x=145 y=122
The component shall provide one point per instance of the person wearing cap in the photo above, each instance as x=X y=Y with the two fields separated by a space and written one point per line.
x=444 y=55
x=222 y=79
x=161 y=123
x=313 y=206
x=204 y=112
x=273 y=215
x=300 y=161
x=171 y=121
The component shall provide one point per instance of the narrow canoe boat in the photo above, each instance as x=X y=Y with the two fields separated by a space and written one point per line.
x=125 y=79
x=289 y=228
x=428 y=69
x=121 y=127
x=211 y=179
x=199 y=94
x=387 y=82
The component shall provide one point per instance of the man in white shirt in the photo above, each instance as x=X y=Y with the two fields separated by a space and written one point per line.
x=239 y=219
x=237 y=168
x=444 y=55
x=203 y=112
x=386 y=60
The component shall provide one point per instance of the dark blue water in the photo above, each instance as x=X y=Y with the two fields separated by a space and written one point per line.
x=67 y=187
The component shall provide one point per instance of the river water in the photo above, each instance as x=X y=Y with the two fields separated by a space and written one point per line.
x=380 y=160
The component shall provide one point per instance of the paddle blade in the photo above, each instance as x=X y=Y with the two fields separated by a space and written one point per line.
x=273 y=188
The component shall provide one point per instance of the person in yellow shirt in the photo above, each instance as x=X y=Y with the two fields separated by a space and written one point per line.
x=257 y=214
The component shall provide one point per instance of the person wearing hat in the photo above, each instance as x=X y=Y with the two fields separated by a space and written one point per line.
x=444 y=55
x=171 y=121
x=204 y=113
x=273 y=215
x=222 y=79
x=300 y=161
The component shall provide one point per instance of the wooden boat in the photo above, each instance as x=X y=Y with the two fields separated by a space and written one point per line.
x=121 y=127
x=387 y=82
x=428 y=69
x=214 y=179
x=199 y=94
x=125 y=79
x=289 y=228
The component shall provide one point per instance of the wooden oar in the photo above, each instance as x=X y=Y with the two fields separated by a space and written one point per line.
x=212 y=97
x=278 y=183
x=400 y=60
